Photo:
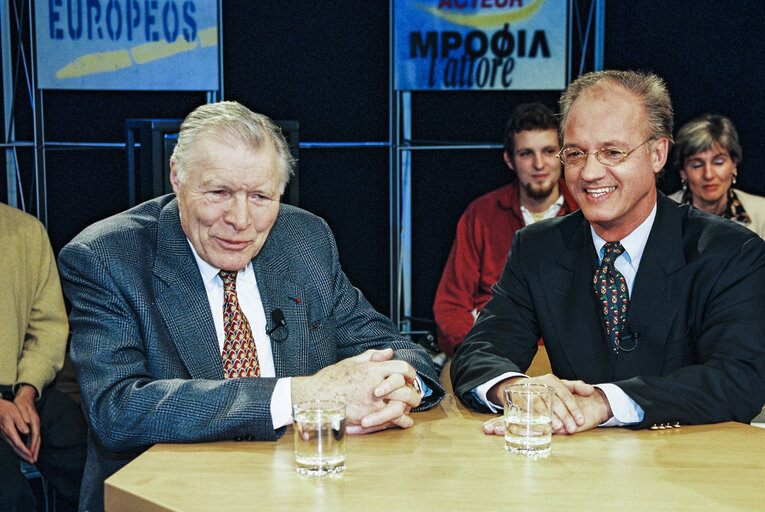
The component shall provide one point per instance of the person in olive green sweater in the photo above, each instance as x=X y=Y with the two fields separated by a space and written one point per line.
x=38 y=424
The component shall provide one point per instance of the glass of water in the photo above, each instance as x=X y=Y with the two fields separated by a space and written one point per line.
x=319 y=428
x=528 y=418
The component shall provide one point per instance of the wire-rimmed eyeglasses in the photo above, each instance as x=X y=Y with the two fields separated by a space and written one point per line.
x=574 y=157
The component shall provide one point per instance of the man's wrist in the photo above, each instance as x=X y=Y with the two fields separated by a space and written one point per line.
x=298 y=387
x=606 y=413
x=624 y=410
x=495 y=393
x=25 y=391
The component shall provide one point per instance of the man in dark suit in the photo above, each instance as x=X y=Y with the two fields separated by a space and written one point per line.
x=659 y=305
x=205 y=315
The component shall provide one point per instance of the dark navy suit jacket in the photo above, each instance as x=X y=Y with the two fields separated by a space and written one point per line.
x=697 y=305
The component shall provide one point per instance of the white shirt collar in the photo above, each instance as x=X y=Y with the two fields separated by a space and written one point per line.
x=209 y=273
x=634 y=243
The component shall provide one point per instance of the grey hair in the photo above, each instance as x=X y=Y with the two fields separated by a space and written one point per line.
x=702 y=133
x=648 y=87
x=229 y=120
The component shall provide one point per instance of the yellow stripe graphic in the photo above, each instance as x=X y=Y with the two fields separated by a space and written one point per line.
x=106 y=62
x=103 y=62
x=154 y=51
x=208 y=37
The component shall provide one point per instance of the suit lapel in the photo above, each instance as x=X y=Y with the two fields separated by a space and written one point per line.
x=182 y=301
x=572 y=298
x=278 y=290
x=652 y=307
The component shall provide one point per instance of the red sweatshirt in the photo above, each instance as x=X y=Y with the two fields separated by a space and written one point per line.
x=484 y=236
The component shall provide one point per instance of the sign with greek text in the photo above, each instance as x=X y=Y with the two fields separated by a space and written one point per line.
x=480 y=44
x=127 y=44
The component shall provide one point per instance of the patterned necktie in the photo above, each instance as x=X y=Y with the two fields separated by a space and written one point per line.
x=240 y=357
x=611 y=291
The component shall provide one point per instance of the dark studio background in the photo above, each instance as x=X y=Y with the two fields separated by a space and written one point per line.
x=325 y=64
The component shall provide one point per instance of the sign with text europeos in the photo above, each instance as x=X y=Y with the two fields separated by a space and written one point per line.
x=480 y=44
x=127 y=44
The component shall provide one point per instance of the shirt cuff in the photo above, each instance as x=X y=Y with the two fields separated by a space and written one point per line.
x=480 y=391
x=625 y=410
x=281 y=403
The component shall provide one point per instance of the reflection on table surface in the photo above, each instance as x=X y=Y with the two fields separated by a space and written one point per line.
x=445 y=463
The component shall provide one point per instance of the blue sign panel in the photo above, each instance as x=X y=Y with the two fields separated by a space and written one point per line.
x=480 y=44
x=127 y=44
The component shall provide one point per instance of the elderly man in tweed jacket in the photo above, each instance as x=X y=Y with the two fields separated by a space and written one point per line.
x=147 y=293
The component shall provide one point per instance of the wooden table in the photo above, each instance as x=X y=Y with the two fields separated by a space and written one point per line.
x=445 y=463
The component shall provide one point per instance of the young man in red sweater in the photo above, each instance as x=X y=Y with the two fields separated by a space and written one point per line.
x=486 y=229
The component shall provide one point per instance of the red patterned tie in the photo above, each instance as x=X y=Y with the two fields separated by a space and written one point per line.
x=240 y=357
x=611 y=290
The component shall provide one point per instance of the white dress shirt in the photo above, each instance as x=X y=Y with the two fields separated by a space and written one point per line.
x=625 y=410
x=249 y=300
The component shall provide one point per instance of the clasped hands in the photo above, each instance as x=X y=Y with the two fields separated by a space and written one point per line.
x=577 y=406
x=19 y=418
x=377 y=390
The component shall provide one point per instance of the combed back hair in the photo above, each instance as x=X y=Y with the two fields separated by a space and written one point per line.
x=702 y=133
x=649 y=88
x=528 y=116
x=229 y=122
